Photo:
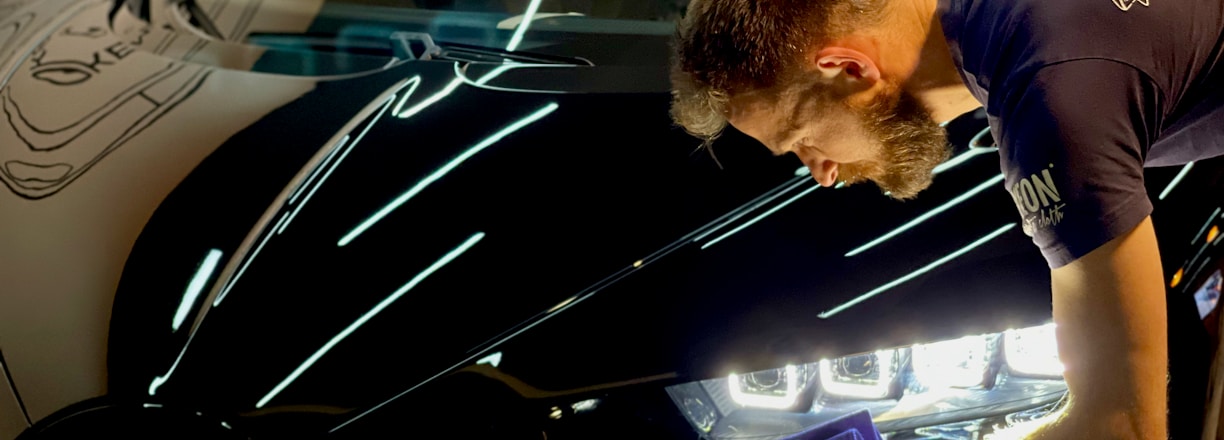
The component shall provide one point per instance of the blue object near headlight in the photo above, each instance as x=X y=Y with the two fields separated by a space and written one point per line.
x=855 y=426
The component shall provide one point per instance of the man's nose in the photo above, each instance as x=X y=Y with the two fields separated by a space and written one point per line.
x=823 y=169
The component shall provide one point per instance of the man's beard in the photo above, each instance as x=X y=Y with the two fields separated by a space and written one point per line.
x=911 y=144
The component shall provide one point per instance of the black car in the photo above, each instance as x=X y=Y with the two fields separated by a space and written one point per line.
x=480 y=222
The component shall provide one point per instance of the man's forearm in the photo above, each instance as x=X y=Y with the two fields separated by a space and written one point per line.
x=1110 y=310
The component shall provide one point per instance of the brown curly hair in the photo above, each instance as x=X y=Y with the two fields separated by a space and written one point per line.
x=724 y=47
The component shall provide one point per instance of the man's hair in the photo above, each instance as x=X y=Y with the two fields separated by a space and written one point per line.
x=724 y=47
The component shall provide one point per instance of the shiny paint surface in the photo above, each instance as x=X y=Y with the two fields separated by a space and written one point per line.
x=451 y=244
x=592 y=259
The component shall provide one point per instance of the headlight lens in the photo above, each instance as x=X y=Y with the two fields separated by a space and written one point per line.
x=776 y=389
x=964 y=386
x=961 y=363
x=866 y=376
x=1033 y=352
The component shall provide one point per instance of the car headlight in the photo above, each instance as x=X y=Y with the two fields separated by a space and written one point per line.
x=777 y=389
x=1033 y=351
x=961 y=388
x=960 y=363
x=866 y=376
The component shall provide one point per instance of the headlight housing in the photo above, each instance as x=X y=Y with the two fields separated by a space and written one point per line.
x=954 y=389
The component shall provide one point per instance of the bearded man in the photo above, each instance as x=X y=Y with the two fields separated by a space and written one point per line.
x=1081 y=95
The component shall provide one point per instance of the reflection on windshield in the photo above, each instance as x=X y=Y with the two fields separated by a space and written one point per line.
x=654 y=10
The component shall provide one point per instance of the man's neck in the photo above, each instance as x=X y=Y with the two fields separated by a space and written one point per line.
x=936 y=80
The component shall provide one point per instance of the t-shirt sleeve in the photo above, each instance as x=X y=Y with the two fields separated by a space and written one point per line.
x=1073 y=139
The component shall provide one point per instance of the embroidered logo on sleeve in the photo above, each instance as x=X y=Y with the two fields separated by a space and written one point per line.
x=1125 y=5
x=1039 y=201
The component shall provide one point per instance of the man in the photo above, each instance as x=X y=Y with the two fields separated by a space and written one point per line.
x=1081 y=95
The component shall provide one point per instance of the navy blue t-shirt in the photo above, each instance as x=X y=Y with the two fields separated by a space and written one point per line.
x=1081 y=95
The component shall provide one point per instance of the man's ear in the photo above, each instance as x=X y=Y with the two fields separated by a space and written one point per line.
x=852 y=66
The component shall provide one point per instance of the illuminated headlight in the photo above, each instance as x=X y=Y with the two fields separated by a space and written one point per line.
x=1033 y=351
x=865 y=376
x=957 y=389
x=776 y=389
x=960 y=363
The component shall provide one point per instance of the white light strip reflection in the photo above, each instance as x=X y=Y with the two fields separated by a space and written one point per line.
x=915 y=274
x=493 y=359
x=450 y=88
x=962 y=158
x=736 y=214
x=196 y=286
x=335 y=149
x=759 y=217
x=1176 y=180
x=241 y=270
x=494 y=74
x=441 y=172
x=762 y=401
x=450 y=256
x=1205 y=225
x=975 y=149
x=161 y=380
x=336 y=164
x=924 y=217
x=517 y=38
x=412 y=85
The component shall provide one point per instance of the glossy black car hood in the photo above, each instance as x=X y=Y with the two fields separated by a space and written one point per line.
x=558 y=243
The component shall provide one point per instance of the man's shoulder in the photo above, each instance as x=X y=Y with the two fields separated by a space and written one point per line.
x=1000 y=41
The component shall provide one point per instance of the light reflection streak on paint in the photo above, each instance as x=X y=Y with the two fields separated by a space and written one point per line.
x=975 y=149
x=927 y=216
x=1205 y=225
x=306 y=183
x=412 y=85
x=740 y=212
x=917 y=273
x=245 y=264
x=594 y=289
x=1176 y=180
x=203 y=273
x=450 y=256
x=161 y=380
x=561 y=305
x=495 y=73
x=580 y=298
x=760 y=217
x=349 y=149
x=493 y=359
x=528 y=16
x=1195 y=274
x=446 y=91
x=962 y=158
x=1197 y=255
x=444 y=170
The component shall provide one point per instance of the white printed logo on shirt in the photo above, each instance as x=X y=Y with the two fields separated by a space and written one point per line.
x=1125 y=5
x=1038 y=200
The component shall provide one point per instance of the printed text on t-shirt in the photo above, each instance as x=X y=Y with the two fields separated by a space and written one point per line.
x=1038 y=200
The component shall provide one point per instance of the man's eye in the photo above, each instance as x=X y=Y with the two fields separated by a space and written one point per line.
x=63 y=76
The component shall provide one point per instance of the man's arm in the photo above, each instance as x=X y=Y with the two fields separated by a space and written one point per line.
x=1110 y=310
